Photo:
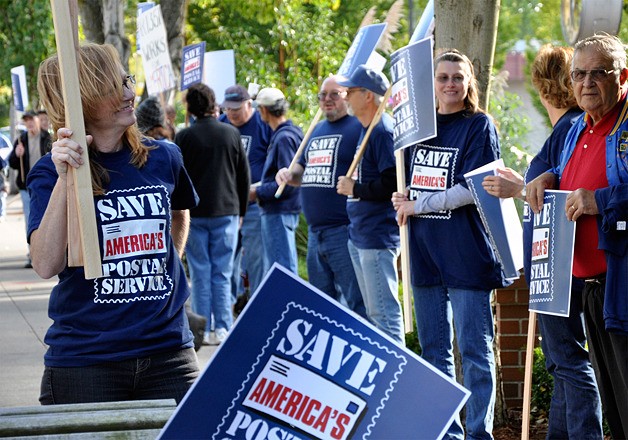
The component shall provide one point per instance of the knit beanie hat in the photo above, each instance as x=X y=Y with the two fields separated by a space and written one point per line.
x=149 y=114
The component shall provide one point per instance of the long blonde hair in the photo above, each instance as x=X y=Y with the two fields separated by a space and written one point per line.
x=99 y=70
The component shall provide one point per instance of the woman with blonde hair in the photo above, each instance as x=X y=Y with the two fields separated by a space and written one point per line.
x=453 y=267
x=123 y=336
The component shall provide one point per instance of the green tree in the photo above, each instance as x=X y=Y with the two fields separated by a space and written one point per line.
x=27 y=38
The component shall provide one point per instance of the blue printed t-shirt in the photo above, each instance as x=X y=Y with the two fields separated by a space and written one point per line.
x=328 y=155
x=284 y=143
x=137 y=308
x=546 y=159
x=255 y=135
x=451 y=248
x=373 y=224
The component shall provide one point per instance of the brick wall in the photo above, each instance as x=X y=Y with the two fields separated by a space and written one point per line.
x=512 y=330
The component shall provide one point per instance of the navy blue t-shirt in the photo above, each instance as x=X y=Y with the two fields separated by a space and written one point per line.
x=326 y=157
x=138 y=307
x=547 y=158
x=373 y=223
x=284 y=143
x=451 y=248
x=255 y=135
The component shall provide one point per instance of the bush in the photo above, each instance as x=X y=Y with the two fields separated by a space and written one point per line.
x=542 y=386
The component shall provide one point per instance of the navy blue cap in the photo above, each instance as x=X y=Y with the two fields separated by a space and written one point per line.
x=367 y=78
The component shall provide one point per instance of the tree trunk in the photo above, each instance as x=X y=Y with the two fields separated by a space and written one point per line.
x=91 y=16
x=173 y=12
x=471 y=27
x=113 y=29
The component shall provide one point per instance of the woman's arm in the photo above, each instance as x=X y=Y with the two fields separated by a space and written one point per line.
x=180 y=229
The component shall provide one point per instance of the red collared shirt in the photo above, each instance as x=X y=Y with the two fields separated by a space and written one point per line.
x=587 y=169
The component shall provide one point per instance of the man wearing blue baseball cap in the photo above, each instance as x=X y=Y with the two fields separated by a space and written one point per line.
x=373 y=231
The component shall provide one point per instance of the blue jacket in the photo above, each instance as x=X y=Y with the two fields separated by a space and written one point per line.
x=612 y=203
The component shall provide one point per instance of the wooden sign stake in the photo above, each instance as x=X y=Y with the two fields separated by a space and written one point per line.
x=80 y=179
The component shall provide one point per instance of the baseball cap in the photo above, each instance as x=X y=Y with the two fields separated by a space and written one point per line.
x=28 y=114
x=269 y=97
x=235 y=96
x=367 y=78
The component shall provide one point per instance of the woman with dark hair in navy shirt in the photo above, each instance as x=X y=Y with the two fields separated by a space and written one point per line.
x=123 y=336
x=453 y=266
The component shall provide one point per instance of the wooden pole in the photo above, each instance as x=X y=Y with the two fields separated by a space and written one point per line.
x=67 y=50
x=367 y=135
x=299 y=152
x=527 y=381
x=405 y=248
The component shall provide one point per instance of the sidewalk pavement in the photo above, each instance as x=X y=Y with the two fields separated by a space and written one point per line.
x=24 y=315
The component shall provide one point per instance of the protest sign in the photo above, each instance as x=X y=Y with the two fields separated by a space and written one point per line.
x=141 y=7
x=414 y=108
x=192 y=64
x=360 y=50
x=552 y=256
x=20 y=91
x=297 y=365
x=500 y=219
x=155 y=54
x=219 y=72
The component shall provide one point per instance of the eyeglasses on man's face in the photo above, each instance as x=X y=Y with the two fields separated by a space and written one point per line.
x=334 y=96
x=129 y=82
x=597 y=75
x=444 y=79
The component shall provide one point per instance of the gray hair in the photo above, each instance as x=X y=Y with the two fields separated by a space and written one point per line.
x=608 y=46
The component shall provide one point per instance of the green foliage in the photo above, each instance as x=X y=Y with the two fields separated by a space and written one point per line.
x=27 y=38
x=542 y=386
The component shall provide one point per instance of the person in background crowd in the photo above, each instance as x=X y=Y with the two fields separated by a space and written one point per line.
x=575 y=409
x=327 y=156
x=44 y=121
x=594 y=167
x=150 y=119
x=28 y=148
x=255 y=135
x=217 y=164
x=452 y=283
x=123 y=336
x=280 y=216
x=151 y=122
x=373 y=233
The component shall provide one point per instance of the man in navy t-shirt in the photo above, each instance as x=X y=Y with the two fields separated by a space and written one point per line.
x=373 y=231
x=327 y=156
x=255 y=135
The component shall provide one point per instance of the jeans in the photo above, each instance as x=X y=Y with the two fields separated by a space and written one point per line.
x=279 y=240
x=161 y=376
x=437 y=310
x=376 y=272
x=210 y=250
x=26 y=206
x=329 y=267
x=252 y=246
x=575 y=409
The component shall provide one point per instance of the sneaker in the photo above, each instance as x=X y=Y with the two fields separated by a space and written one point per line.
x=220 y=335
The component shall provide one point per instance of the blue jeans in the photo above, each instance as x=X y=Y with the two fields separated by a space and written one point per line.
x=437 y=310
x=575 y=409
x=330 y=269
x=161 y=376
x=210 y=250
x=278 y=238
x=376 y=272
x=252 y=246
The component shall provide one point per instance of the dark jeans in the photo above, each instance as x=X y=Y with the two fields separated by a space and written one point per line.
x=162 y=376
x=609 y=356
